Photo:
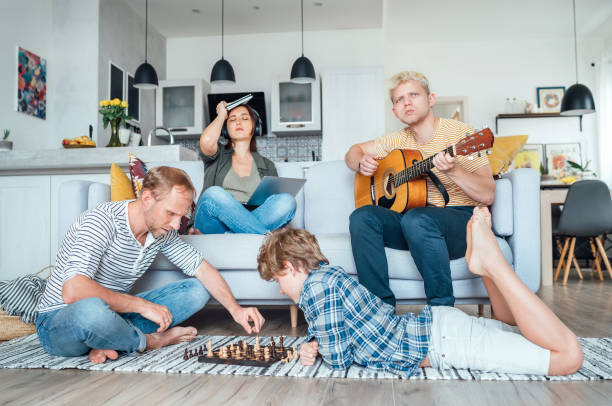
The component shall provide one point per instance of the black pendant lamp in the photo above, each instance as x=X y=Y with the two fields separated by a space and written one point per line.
x=145 y=76
x=302 y=70
x=222 y=72
x=578 y=99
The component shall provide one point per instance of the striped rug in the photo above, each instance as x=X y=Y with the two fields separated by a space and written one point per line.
x=26 y=352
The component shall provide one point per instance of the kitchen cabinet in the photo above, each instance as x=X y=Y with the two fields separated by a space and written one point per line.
x=181 y=106
x=295 y=107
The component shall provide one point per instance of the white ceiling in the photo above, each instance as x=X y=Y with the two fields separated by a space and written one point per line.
x=174 y=18
x=410 y=20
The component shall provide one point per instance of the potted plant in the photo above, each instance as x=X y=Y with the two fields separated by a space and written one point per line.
x=6 y=145
x=583 y=170
x=114 y=112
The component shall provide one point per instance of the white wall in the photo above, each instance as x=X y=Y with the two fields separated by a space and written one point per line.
x=27 y=132
x=257 y=59
x=122 y=41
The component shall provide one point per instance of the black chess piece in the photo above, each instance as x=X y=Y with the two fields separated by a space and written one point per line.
x=190 y=354
x=200 y=351
x=186 y=356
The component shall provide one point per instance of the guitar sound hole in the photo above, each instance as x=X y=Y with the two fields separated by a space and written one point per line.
x=389 y=185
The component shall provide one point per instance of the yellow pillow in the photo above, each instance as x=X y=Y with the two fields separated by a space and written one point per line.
x=121 y=186
x=503 y=152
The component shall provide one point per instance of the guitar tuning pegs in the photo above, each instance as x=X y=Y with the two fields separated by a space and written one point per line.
x=488 y=152
x=470 y=157
x=479 y=154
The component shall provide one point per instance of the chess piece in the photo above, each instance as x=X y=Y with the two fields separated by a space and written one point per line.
x=200 y=351
x=186 y=356
x=266 y=354
x=281 y=342
x=190 y=354
x=209 y=354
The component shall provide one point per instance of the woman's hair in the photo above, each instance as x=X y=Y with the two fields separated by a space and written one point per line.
x=254 y=120
x=296 y=246
x=161 y=179
x=405 y=76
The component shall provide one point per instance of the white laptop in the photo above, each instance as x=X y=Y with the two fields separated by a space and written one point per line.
x=271 y=185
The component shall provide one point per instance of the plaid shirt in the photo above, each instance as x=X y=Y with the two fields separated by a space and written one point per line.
x=353 y=325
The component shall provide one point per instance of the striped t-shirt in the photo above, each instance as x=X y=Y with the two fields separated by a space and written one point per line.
x=101 y=246
x=448 y=132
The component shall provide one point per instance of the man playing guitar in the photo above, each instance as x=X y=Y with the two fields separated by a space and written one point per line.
x=434 y=234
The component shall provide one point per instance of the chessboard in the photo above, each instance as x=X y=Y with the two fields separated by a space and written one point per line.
x=244 y=354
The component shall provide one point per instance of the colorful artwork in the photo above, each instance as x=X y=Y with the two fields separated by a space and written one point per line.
x=531 y=156
x=31 y=84
x=549 y=98
x=557 y=156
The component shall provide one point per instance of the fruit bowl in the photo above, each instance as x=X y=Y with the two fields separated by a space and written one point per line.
x=70 y=146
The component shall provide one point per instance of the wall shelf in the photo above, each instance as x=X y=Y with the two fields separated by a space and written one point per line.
x=533 y=115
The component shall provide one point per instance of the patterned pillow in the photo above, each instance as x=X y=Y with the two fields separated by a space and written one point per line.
x=138 y=169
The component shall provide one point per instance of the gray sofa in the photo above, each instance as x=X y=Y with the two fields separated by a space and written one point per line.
x=324 y=206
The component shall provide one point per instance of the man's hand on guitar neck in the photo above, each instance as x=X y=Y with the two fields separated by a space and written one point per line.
x=445 y=162
x=367 y=165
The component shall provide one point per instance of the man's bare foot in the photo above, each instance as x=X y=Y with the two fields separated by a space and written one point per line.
x=174 y=335
x=482 y=249
x=99 y=356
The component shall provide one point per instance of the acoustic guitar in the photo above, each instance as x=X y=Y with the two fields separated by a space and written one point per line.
x=398 y=183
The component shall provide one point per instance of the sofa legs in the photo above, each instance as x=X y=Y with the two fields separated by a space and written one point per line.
x=293 y=310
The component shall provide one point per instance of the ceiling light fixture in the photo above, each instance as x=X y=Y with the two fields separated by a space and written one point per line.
x=578 y=99
x=302 y=70
x=145 y=76
x=222 y=71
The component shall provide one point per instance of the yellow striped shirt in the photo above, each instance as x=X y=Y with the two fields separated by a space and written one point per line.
x=449 y=132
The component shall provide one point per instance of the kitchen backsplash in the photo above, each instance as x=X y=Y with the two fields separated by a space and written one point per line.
x=292 y=148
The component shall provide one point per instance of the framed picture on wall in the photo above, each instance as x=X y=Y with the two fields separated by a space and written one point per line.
x=531 y=156
x=31 y=84
x=557 y=156
x=549 y=98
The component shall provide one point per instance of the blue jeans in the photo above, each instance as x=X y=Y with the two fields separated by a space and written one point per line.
x=89 y=323
x=219 y=212
x=434 y=236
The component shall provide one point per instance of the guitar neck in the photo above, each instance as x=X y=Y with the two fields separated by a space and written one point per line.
x=418 y=168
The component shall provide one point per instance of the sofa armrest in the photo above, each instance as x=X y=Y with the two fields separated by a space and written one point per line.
x=73 y=198
x=525 y=239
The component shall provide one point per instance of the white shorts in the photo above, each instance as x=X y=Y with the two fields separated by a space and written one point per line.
x=462 y=341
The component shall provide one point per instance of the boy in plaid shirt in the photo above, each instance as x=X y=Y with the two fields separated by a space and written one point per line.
x=347 y=323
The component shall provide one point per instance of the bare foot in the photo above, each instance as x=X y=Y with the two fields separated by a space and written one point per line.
x=99 y=356
x=482 y=248
x=173 y=336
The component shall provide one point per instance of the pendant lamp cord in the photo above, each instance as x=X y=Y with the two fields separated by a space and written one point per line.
x=222 y=12
x=146 y=26
x=575 y=41
x=302 y=1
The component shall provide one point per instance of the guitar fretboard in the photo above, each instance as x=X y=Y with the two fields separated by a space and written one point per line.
x=417 y=169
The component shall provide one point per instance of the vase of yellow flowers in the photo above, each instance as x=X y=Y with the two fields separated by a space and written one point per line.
x=114 y=113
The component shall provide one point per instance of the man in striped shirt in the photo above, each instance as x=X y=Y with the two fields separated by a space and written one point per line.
x=348 y=324
x=86 y=307
x=434 y=234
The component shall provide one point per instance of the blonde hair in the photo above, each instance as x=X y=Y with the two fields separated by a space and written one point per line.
x=162 y=179
x=296 y=246
x=405 y=76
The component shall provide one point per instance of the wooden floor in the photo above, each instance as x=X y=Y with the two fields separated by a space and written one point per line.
x=586 y=306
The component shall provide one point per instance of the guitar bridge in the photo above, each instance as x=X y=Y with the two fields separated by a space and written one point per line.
x=373 y=194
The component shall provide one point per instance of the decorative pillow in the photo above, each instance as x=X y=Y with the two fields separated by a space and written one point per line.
x=138 y=169
x=120 y=185
x=503 y=152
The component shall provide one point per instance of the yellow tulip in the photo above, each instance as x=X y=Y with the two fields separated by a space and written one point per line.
x=102 y=103
x=115 y=102
x=124 y=104
x=106 y=103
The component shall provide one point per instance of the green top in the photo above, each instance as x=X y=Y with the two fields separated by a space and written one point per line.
x=242 y=187
x=217 y=166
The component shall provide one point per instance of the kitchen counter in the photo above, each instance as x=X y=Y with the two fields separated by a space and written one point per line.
x=86 y=160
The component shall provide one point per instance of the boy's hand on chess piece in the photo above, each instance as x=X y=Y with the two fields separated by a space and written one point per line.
x=158 y=314
x=309 y=352
x=245 y=315
x=194 y=231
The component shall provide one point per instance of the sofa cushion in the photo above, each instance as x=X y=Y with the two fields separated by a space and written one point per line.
x=329 y=198
x=293 y=170
x=502 y=214
x=337 y=249
x=220 y=251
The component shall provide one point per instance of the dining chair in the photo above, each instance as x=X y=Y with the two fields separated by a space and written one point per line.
x=587 y=212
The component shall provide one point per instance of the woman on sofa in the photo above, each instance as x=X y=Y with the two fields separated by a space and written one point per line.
x=233 y=169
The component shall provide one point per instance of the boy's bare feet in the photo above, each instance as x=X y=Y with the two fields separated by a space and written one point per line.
x=482 y=251
x=99 y=356
x=174 y=335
